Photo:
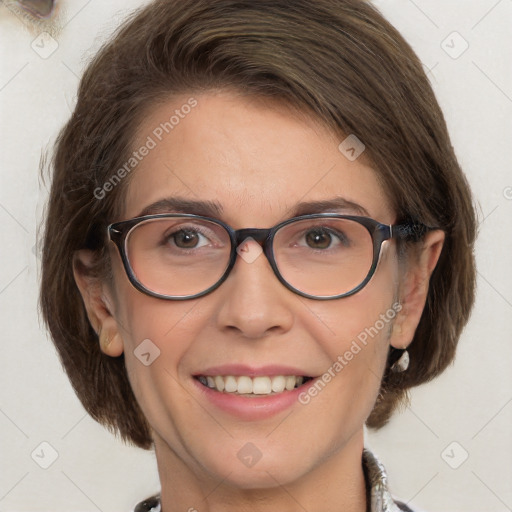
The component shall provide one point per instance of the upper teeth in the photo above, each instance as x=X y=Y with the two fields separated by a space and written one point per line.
x=247 y=385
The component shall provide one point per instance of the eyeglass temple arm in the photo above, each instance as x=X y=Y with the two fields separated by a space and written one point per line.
x=412 y=231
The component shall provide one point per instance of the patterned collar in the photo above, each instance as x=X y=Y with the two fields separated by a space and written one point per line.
x=378 y=496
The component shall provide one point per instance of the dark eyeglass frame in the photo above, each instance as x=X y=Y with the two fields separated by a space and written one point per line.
x=119 y=231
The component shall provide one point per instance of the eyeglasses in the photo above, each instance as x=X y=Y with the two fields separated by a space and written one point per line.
x=320 y=256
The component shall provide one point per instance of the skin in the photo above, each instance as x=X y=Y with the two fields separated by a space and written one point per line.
x=257 y=159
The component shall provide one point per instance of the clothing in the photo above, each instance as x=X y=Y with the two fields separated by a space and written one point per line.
x=378 y=497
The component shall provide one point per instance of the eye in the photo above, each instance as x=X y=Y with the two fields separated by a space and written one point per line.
x=187 y=238
x=318 y=239
x=324 y=238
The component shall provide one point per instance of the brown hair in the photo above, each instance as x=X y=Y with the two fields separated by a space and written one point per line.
x=337 y=59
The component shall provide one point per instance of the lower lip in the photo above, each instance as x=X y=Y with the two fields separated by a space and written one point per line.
x=252 y=408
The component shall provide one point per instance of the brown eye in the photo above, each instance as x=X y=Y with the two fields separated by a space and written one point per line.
x=186 y=239
x=318 y=239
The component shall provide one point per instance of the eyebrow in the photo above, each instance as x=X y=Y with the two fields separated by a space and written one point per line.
x=182 y=205
x=215 y=209
x=334 y=205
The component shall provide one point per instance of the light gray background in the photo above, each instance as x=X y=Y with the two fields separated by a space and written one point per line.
x=469 y=405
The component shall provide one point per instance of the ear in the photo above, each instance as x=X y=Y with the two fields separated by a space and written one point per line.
x=98 y=304
x=414 y=288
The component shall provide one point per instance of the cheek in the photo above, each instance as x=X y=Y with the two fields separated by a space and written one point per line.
x=140 y=317
x=156 y=336
x=165 y=330
x=354 y=332
x=362 y=321
x=348 y=388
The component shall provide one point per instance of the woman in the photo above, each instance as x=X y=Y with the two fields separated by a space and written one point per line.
x=267 y=241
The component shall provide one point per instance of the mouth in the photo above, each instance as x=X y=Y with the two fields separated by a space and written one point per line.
x=259 y=386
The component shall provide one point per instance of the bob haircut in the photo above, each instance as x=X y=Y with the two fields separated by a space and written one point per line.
x=338 y=60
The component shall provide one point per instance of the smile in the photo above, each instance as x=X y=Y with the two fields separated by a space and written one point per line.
x=252 y=386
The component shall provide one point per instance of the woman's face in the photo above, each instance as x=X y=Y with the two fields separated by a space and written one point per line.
x=256 y=161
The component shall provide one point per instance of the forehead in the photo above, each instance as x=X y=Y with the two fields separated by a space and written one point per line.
x=255 y=159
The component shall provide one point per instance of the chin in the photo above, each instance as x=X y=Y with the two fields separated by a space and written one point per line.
x=246 y=466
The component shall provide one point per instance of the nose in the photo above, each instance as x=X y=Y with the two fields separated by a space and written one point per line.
x=254 y=302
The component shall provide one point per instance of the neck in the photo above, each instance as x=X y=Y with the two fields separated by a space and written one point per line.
x=335 y=484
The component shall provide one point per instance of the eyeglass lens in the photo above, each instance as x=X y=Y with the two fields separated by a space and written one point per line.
x=181 y=256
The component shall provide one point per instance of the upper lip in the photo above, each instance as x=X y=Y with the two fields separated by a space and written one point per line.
x=238 y=370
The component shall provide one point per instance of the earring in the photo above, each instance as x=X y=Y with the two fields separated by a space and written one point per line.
x=402 y=363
